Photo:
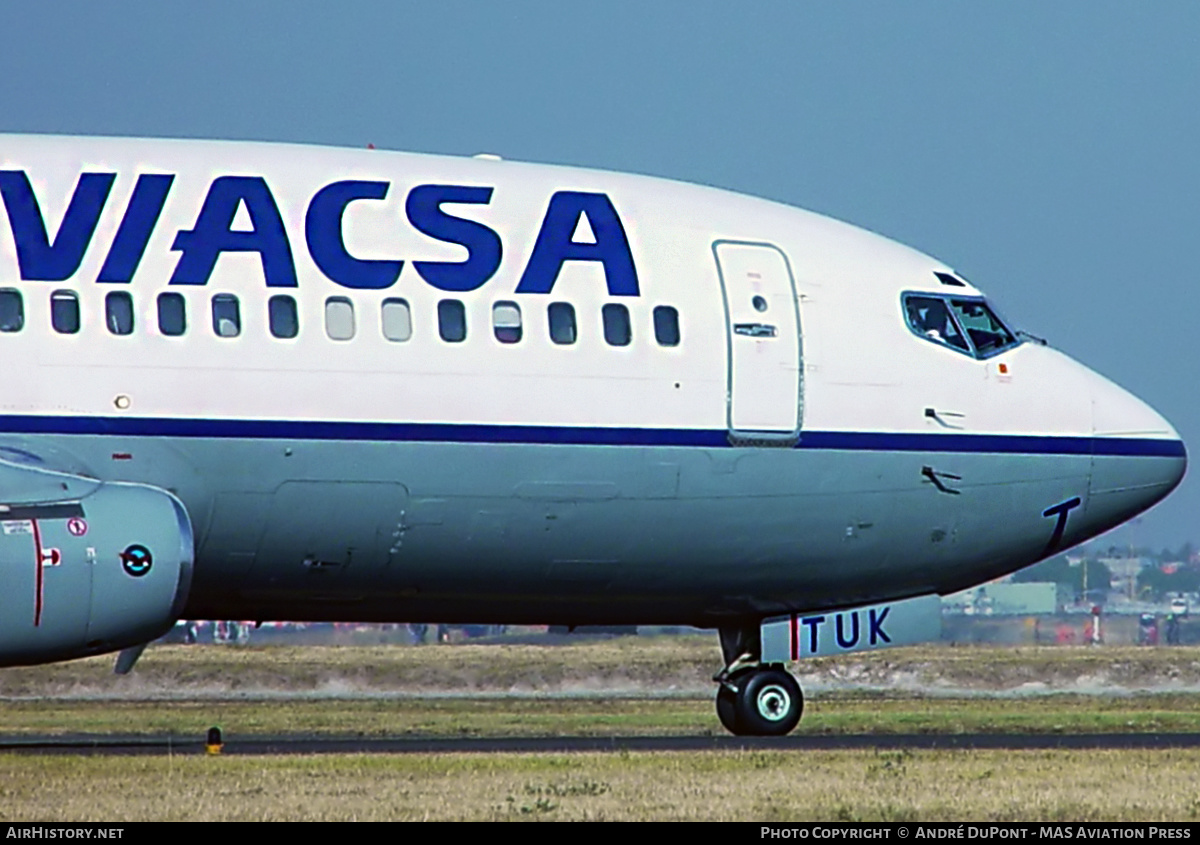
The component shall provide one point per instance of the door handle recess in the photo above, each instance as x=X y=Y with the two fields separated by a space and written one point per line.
x=754 y=329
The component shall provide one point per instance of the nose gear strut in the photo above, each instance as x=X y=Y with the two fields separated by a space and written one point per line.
x=753 y=698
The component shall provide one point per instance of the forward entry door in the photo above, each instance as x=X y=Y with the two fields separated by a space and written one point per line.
x=763 y=326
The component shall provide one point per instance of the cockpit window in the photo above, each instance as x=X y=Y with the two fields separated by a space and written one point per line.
x=968 y=325
x=984 y=328
x=929 y=317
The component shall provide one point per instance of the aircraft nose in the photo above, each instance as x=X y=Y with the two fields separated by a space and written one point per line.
x=1138 y=457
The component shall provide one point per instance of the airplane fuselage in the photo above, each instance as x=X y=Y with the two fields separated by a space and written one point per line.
x=392 y=387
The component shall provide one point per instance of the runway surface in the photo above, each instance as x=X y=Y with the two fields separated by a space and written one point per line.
x=310 y=744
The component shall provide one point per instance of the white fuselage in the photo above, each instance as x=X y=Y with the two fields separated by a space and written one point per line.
x=770 y=407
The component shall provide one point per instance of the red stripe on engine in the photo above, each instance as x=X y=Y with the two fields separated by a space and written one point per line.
x=37 y=602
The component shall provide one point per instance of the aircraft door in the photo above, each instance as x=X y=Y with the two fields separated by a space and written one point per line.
x=763 y=334
x=325 y=532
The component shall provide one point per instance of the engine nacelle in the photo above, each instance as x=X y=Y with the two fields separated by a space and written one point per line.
x=103 y=572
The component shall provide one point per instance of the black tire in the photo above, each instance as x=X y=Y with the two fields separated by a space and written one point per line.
x=727 y=710
x=769 y=703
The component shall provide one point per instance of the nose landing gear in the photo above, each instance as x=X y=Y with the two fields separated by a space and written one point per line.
x=755 y=699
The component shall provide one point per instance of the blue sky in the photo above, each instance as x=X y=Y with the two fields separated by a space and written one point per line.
x=1046 y=150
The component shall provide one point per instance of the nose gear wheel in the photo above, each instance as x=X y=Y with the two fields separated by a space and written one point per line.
x=763 y=701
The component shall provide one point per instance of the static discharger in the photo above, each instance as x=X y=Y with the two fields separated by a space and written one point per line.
x=213 y=742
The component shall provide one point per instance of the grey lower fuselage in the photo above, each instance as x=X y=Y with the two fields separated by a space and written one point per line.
x=586 y=533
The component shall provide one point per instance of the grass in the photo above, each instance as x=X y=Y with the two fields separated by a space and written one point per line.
x=592 y=716
x=662 y=687
x=659 y=665
x=626 y=686
x=700 y=786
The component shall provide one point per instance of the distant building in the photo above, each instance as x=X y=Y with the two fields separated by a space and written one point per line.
x=1125 y=573
x=1003 y=599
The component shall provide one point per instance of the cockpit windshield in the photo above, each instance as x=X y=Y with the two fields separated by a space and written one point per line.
x=988 y=335
x=967 y=325
x=930 y=318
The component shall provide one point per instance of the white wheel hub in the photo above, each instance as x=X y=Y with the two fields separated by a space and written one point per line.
x=773 y=703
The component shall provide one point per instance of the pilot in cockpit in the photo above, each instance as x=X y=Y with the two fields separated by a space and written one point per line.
x=932 y=319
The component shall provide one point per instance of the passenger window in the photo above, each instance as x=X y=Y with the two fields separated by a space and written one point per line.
x=616 y=325
x=987 y=333
x=282 y=317
x=118 y=312
x=172 y=314
x=562 y=322
x=929 y=317
x=666 y=325
x=64 y=311
x=397 y=320
x=339 y=318
x=226 y=314
x=506 y=321
x=452 y=321
x=12 y=311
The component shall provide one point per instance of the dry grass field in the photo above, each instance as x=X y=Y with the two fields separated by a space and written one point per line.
x=592 y=716
x=700 y=786
x=643 y=665
x=616 y=687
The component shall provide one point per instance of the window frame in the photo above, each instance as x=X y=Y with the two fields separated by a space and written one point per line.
x=118 y=296
x=398 y=303
x=519 y=328
x=20 y=315
x=171 y=296
x=452 y=304
x=971 y=351
x=272 y=326
x=336 y=303
x=64 y=294
x=617 y=308
x=991 y=353
x=567 y=308
x=674 y=320
x=216 y=325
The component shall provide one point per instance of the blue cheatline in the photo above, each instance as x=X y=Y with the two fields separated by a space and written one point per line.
x=582 y=435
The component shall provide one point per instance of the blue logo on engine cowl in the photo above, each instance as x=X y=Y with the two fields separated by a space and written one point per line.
x=136 y=560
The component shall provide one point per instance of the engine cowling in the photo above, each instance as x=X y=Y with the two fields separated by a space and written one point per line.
x=84 y=576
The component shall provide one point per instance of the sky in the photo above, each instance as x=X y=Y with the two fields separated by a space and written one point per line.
x=1048 y=151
